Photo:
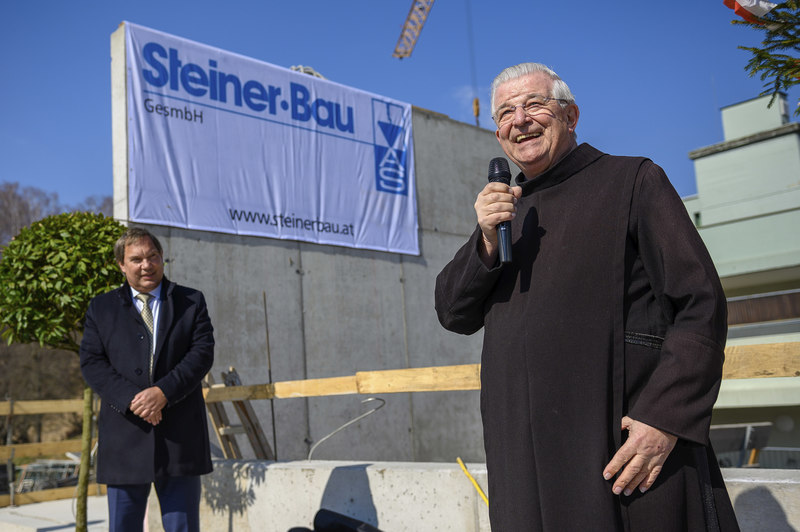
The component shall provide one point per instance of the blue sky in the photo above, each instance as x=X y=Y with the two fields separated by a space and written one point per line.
x=649 y=77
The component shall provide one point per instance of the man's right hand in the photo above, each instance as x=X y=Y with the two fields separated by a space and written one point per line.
x=154 y=419
x=148 y=404
x=495 y=203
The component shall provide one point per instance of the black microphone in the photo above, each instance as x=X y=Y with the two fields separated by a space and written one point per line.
x=499 y=173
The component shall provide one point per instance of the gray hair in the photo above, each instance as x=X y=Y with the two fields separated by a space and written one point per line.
x=560 y=89
x=131 y=236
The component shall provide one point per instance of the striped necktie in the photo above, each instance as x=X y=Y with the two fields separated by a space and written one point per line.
x=147 y=316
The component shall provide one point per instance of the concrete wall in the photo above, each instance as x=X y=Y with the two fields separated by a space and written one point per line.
x=333 y=311
x=410 y=497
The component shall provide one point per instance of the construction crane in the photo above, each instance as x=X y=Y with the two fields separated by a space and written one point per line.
x=413 y=25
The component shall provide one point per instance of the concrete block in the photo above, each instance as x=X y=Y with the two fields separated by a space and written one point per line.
x=259 y=496
x=765 y=499
x=411 y=497
x=396 y=496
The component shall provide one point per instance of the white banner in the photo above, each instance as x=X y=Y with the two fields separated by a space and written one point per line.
x=221 y=142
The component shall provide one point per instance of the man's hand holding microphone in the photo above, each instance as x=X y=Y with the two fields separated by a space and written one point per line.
x=495 y=207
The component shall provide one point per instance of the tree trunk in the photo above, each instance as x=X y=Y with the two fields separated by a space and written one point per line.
x=86 y=451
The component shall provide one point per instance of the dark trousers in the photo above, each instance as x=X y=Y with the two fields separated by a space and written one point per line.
x=179 y=498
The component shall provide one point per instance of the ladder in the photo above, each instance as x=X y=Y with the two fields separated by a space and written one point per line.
x=249 y=425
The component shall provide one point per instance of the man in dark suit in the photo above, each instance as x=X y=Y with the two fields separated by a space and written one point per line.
x=146 y=347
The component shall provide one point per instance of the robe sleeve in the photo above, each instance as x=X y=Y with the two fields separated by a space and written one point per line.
x=681 y=391
x=462 y=288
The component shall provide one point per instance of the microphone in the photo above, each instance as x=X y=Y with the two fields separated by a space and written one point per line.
x=499 y=173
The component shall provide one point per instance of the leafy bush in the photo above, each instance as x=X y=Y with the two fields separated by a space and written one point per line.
x=50 y=272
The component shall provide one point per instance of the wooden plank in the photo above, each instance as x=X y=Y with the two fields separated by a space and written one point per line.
x=316 y=387
x=432 y=379
x=56 y=494
x=38 y=450
x=56 y=406
x=283 y=390
x=220 y=392
x=742 y=362
x=762 y=360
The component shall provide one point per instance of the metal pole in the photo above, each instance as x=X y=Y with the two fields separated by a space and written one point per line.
x=269 y=377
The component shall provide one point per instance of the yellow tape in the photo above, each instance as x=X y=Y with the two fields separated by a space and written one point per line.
x=472 y=479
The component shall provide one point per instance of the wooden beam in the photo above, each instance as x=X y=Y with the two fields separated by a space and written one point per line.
x=762 y=360
x=56 y=406
x=741 y=362
x=220 y=392
x=283 y=390
x=30 y=497
x=316 y=387
x=432 y=379
x=38 y=450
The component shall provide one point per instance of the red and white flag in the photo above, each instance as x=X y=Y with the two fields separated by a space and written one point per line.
x=750 y=10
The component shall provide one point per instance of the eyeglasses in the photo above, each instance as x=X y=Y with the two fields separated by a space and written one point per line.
x=535 y=103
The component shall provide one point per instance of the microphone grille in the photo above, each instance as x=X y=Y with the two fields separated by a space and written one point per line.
x=498 y=170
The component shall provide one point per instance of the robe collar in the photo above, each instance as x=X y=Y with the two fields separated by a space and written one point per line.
x=570 y=164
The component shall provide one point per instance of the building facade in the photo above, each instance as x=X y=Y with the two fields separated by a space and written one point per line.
x=747 y=210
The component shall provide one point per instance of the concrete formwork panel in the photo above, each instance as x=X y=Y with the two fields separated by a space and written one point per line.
x=354 y=321
x=353 y=307
x=431 y=345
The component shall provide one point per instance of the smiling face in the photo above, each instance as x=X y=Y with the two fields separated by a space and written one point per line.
x=535 y=142
x=143 y=265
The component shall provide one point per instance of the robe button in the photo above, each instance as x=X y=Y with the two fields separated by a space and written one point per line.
x=141 y=336
x=138 y=371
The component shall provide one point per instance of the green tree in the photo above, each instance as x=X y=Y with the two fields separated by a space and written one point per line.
x=777 y=60
x=48 y=274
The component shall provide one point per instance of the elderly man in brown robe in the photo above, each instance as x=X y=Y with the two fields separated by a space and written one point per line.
x=603 y=338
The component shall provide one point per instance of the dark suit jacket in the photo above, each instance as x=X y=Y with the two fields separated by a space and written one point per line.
x=115 y=363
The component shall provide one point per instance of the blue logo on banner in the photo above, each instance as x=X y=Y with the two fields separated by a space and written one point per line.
x=391 y=166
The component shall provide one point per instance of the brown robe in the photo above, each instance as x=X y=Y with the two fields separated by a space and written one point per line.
x=611 y=307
